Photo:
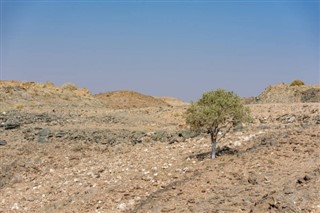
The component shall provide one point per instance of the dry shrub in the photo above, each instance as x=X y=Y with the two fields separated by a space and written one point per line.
x=297 y=83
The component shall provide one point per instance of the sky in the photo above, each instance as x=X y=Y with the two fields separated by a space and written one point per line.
x=162 y=48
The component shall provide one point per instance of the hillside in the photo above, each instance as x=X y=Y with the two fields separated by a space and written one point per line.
x=129 y=99
x=284 y=93
x=18 y=95
x=173 y=101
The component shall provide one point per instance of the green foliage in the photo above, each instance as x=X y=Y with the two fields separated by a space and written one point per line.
x=297 y=83
x=216 y=110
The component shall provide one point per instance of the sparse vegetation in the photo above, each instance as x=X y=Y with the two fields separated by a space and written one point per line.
x=216 y=113
x=69 y=86
x=297 y=83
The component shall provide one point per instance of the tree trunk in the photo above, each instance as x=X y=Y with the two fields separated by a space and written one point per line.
x=214 y=145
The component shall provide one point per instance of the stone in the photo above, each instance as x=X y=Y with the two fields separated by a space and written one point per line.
x=60 y=134
x=122 y=206
x=307 y=178
x=44 y=135
x=11 y=125
x=188 y=134
x=168 y=209
x=3 y=142
x=291 y=119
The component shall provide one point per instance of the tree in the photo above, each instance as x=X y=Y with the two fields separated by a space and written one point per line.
x=216 y=113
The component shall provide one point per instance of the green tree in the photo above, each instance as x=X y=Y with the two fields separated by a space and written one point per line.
x=216 y=113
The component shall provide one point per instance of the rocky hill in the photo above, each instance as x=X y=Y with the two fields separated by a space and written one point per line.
x=129 y=99
x=18 y=95
x=284 y=93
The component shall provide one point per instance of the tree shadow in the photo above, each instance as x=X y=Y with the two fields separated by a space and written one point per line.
x=225 y=150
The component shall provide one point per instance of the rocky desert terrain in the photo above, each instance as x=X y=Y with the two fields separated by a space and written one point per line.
x=63 y=149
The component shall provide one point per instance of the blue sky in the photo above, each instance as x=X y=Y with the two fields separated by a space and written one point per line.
x=161 y=48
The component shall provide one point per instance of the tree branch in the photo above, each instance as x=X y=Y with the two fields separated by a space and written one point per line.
x=227 y=128
x=226 y=132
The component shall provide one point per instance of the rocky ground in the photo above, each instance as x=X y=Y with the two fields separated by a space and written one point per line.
x=90 y=158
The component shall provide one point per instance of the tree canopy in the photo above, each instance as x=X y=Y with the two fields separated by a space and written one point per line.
x=216 y=111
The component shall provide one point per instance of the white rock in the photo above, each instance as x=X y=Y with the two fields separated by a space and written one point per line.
x=137 y=198
x=122 y=206
x=237 y=143
x=245 y=138
x=15 y=206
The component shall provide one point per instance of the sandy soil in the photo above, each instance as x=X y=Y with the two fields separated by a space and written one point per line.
x=61 y=159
